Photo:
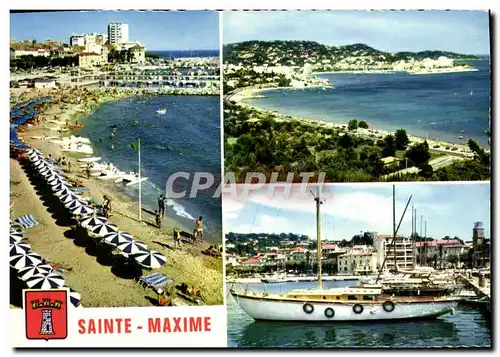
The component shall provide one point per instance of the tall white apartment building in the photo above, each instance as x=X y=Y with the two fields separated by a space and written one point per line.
x=117 y=32
x=384 y=247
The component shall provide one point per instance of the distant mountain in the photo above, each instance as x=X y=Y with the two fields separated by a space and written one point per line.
x=298 y=53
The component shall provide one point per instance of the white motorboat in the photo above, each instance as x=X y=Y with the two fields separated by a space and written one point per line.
x=89 y=159
x=136 y=181
x=360 y=303
x=161 y=111
x=78 y=148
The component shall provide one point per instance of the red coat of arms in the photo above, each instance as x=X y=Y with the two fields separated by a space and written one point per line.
x=46 y=314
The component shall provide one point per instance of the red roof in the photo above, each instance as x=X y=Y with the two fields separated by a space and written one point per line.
x=329 y=246
x=298 y=249
x=251 y=261
x=435 y=243
x=88 y=54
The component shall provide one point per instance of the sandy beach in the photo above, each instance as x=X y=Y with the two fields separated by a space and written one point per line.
x=240 y=96
x=99 y=282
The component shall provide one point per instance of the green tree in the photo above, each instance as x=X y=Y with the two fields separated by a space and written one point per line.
x=389 y=148
x=426 y=170
x=352 y=125
x=363 y=124
x=401 y=139
x=419 y=154
x=452 y=259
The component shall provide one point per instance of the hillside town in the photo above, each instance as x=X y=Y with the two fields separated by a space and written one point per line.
x=107 y=60
x=251 y=256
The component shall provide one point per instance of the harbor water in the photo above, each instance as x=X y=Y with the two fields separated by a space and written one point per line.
x=467 y=327
x=184 y=139
x=442 y=106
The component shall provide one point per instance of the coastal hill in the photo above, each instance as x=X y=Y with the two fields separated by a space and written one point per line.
x=299 y=53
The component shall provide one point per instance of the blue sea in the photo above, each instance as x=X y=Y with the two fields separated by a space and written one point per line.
x=186 y=138
x=441 y=106
x=466 y=328
x=185 y=54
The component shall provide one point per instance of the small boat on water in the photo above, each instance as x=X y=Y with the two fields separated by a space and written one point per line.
x=90 y=159
x=75 y=126
x=161 y=111
x=461 y=137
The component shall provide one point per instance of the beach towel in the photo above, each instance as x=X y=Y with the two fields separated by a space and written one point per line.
x=155 y=280
x=26 y=221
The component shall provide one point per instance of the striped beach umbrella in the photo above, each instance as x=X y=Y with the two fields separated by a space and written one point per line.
x=118 y=238
x=46 y=171
x=25 y=259
x=64 y=191
x=19 y=248
x=74 y=204
x=75 y=298
x=46 y=281
x=68 y=197
x=151 y=259
x=133 y=247
x=29 y=271
x=61 y=185
x=32 y=152
x=91 y=221
x=102 y=230
x=55 y=177
x=82 y=211
x=41 y=164
x=16 y=235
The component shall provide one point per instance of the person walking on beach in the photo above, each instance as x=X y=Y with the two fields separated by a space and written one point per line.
x=177 y=238
x=161 y=205
x=158 y=219
x=198 y=230
x=87 y=170
x=106 y=206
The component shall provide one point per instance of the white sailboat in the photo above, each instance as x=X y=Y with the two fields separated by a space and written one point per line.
x=340 y=304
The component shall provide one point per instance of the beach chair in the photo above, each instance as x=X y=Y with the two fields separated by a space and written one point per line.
x=154 y=280
x=26 y=221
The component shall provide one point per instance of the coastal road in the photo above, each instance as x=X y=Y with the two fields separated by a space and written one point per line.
x=435 y=163
x=443 y=161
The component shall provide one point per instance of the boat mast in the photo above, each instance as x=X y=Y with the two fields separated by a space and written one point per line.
x=395 y=231
x=394 y=225
x=319 y=247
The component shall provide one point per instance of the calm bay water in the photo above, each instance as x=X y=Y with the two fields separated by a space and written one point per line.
x=186 y=138
x=466 y=328
x=443 y=106
x=186 y=54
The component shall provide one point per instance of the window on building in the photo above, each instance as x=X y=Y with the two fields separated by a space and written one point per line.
x=351 y=297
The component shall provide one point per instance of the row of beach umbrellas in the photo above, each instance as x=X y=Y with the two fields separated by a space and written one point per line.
x=33 y=269
x=88 y=218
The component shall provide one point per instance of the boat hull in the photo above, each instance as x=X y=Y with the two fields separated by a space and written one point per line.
x=280 y=310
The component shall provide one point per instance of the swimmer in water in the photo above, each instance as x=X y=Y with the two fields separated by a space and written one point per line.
x=100 y=138
x=112 y=147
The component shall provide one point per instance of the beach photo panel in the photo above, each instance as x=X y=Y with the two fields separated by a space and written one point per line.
x=114 y=126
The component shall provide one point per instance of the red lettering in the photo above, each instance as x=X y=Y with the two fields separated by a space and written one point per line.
x=166 y=325
x=177 y=322
x=91 y=329
x=81 y=325
x=119 y=326
x=128 y=326
x=195 y=324
x=207 y=324
x=154 y=325
x=108 y=326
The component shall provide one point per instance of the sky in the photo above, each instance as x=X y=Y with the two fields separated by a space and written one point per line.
x=175 y=30
x=391 y=31
x=449 y=209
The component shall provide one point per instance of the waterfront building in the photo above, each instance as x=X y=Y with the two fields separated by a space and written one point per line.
x=384 y=249
x=117 y=32
x=91 y=59
x=356 y=262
